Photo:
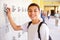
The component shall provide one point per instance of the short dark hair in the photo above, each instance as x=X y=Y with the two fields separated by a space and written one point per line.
x=34 y=4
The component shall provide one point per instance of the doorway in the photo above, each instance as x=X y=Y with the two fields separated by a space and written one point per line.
x=52 y=9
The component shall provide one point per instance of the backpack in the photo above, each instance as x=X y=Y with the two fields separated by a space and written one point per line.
x=39 y=29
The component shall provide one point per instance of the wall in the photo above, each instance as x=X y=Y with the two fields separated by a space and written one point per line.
x=19 y=15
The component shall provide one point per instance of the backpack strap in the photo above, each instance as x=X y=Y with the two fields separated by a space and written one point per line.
x=50 y=37
x=39 y=30
x=29 y=24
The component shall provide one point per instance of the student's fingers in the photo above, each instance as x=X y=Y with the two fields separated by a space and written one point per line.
x=8 y=11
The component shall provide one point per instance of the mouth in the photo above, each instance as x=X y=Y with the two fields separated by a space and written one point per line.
x=32 y=16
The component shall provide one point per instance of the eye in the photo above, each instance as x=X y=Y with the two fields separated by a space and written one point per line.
x=35 y=10
x=29 y=11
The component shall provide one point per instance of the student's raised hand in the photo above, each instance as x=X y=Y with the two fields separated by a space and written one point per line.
x=8 y=11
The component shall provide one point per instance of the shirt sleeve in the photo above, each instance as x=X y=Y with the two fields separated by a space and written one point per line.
x=24 y=27
x=44 y=32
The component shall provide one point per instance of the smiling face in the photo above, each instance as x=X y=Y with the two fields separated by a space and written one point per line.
x=33 y=12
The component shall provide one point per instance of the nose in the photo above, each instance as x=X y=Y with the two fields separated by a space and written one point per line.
x=32 y=12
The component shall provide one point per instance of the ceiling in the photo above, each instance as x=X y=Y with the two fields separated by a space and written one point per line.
x=52 y=0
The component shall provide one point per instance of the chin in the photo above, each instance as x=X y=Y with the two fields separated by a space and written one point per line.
x=33 y=18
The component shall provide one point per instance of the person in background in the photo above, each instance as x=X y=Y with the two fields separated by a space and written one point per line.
x=57 y=18
x=48 y=14
x=42 y=15
x=33 y=13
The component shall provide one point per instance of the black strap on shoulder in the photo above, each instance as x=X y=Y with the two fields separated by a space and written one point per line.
x=39 y=30
x=50 y=37
x=29 y=24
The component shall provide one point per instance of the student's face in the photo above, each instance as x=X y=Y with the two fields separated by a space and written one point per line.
x=33 y=12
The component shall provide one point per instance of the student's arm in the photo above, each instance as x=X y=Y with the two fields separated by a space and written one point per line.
x=44 y=32
x=47 y=33
x=15 y=27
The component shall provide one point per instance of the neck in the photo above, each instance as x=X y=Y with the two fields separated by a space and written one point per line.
x=35 y=21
